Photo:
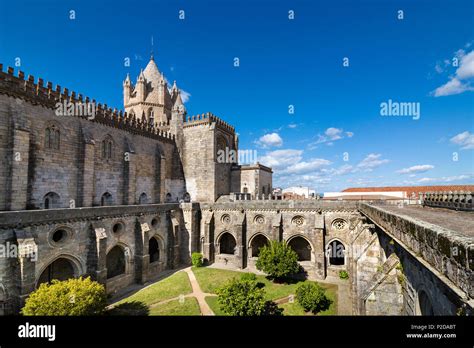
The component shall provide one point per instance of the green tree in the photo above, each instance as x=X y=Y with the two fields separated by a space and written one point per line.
x=70 y=297
x=197 y=259
x=245 y=298
x=278 y=260
x=312 y=297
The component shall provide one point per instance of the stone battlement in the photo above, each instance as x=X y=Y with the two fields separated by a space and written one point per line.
x=40 y=94
x=208 y=118
x=458 y=200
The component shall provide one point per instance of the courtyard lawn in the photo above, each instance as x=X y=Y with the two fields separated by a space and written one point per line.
x=295 y=309
x=210 y=279
x=190 y=306
x=212 y=302
x=173 y=286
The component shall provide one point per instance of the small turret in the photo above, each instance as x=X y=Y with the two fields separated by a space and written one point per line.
x=127 y=89
x=140 y=87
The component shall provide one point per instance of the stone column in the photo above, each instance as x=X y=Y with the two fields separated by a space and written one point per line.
x=142 y=257
x=27 y=257
x=101 y=255
x=85 y=187
x=319 y=254
x=240 y=246
x=129 y=179
x=18 y=177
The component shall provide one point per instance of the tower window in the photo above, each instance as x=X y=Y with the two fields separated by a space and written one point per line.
x=51 y=140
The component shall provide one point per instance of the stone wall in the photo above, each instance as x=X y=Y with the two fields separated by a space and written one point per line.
x=89 y=236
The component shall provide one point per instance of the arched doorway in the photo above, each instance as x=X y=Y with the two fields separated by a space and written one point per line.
x=258 y=242
x=51 y=200
x=302 y=247
x=106 y=199
x=143 y=199
x=426 y=307
x=60 y=269
x=115 y=262
x=153 y=250
x=227 y=244
x=336 y=253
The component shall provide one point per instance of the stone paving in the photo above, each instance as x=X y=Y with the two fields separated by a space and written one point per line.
x=459 y=221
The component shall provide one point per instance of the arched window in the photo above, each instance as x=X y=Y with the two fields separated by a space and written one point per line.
x=336 y=253
x=60 y=269
x=187 y=197
x=51 y=200
x=143 y=199
x=151 y=116
x=258 y=242
x=51 y=139
x=153 y=250
x=115 y=261
x=221 y=145
x=246 y=190
x=168 y=197
x=106 y=199
x=227 y=244
x=302 y=247
x=106 y=148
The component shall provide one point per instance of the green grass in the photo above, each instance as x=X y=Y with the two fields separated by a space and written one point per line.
x=295 y=309
x=190 y=306
x=210 y=279
x=212 y=302
x=173 y=286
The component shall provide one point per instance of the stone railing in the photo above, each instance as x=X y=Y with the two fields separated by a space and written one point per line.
x=458 y=200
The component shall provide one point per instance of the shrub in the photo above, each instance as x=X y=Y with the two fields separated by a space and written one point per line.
x=245 y=298
x=248 y=277
x=70 y=297
x=312 y=297
x=278 y=260
x=343 y=275
x=197 y=259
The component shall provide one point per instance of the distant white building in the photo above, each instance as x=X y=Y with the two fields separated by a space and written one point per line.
x=302 y=191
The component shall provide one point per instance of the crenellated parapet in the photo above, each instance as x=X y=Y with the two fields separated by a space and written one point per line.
x=458 y=200
x=45 y=95
x=208 y=118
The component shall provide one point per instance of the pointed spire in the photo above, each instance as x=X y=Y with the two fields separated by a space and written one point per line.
x=127 y=80
x=141 y=77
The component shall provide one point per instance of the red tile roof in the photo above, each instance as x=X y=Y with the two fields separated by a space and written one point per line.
x=412 y=189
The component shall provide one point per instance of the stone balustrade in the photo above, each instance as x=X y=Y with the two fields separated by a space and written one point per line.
x=458 y=200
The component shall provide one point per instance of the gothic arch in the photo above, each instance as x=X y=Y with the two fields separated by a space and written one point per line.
x=160 y=244
x=333 y=249
x=302 y=246
x=227 y=243
x=256 y=242
x=117 y=260
x=61 y=267
x=51 y=200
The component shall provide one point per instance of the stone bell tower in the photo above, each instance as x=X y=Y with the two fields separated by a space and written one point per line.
x=149 y=99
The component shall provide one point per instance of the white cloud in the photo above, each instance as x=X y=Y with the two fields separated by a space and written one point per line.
x=460 y=82
x=370 y=162
x=464 y=139
x=446 y=179
x=304 y=167
x=292 y=125
x=330 y=135
x=452 y=87
x=280 y=159
x=270 y=140
x=185 y=96
x=421 y=168
x=466 y=68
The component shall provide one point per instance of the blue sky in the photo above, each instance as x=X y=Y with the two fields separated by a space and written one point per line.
x=336 y=137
